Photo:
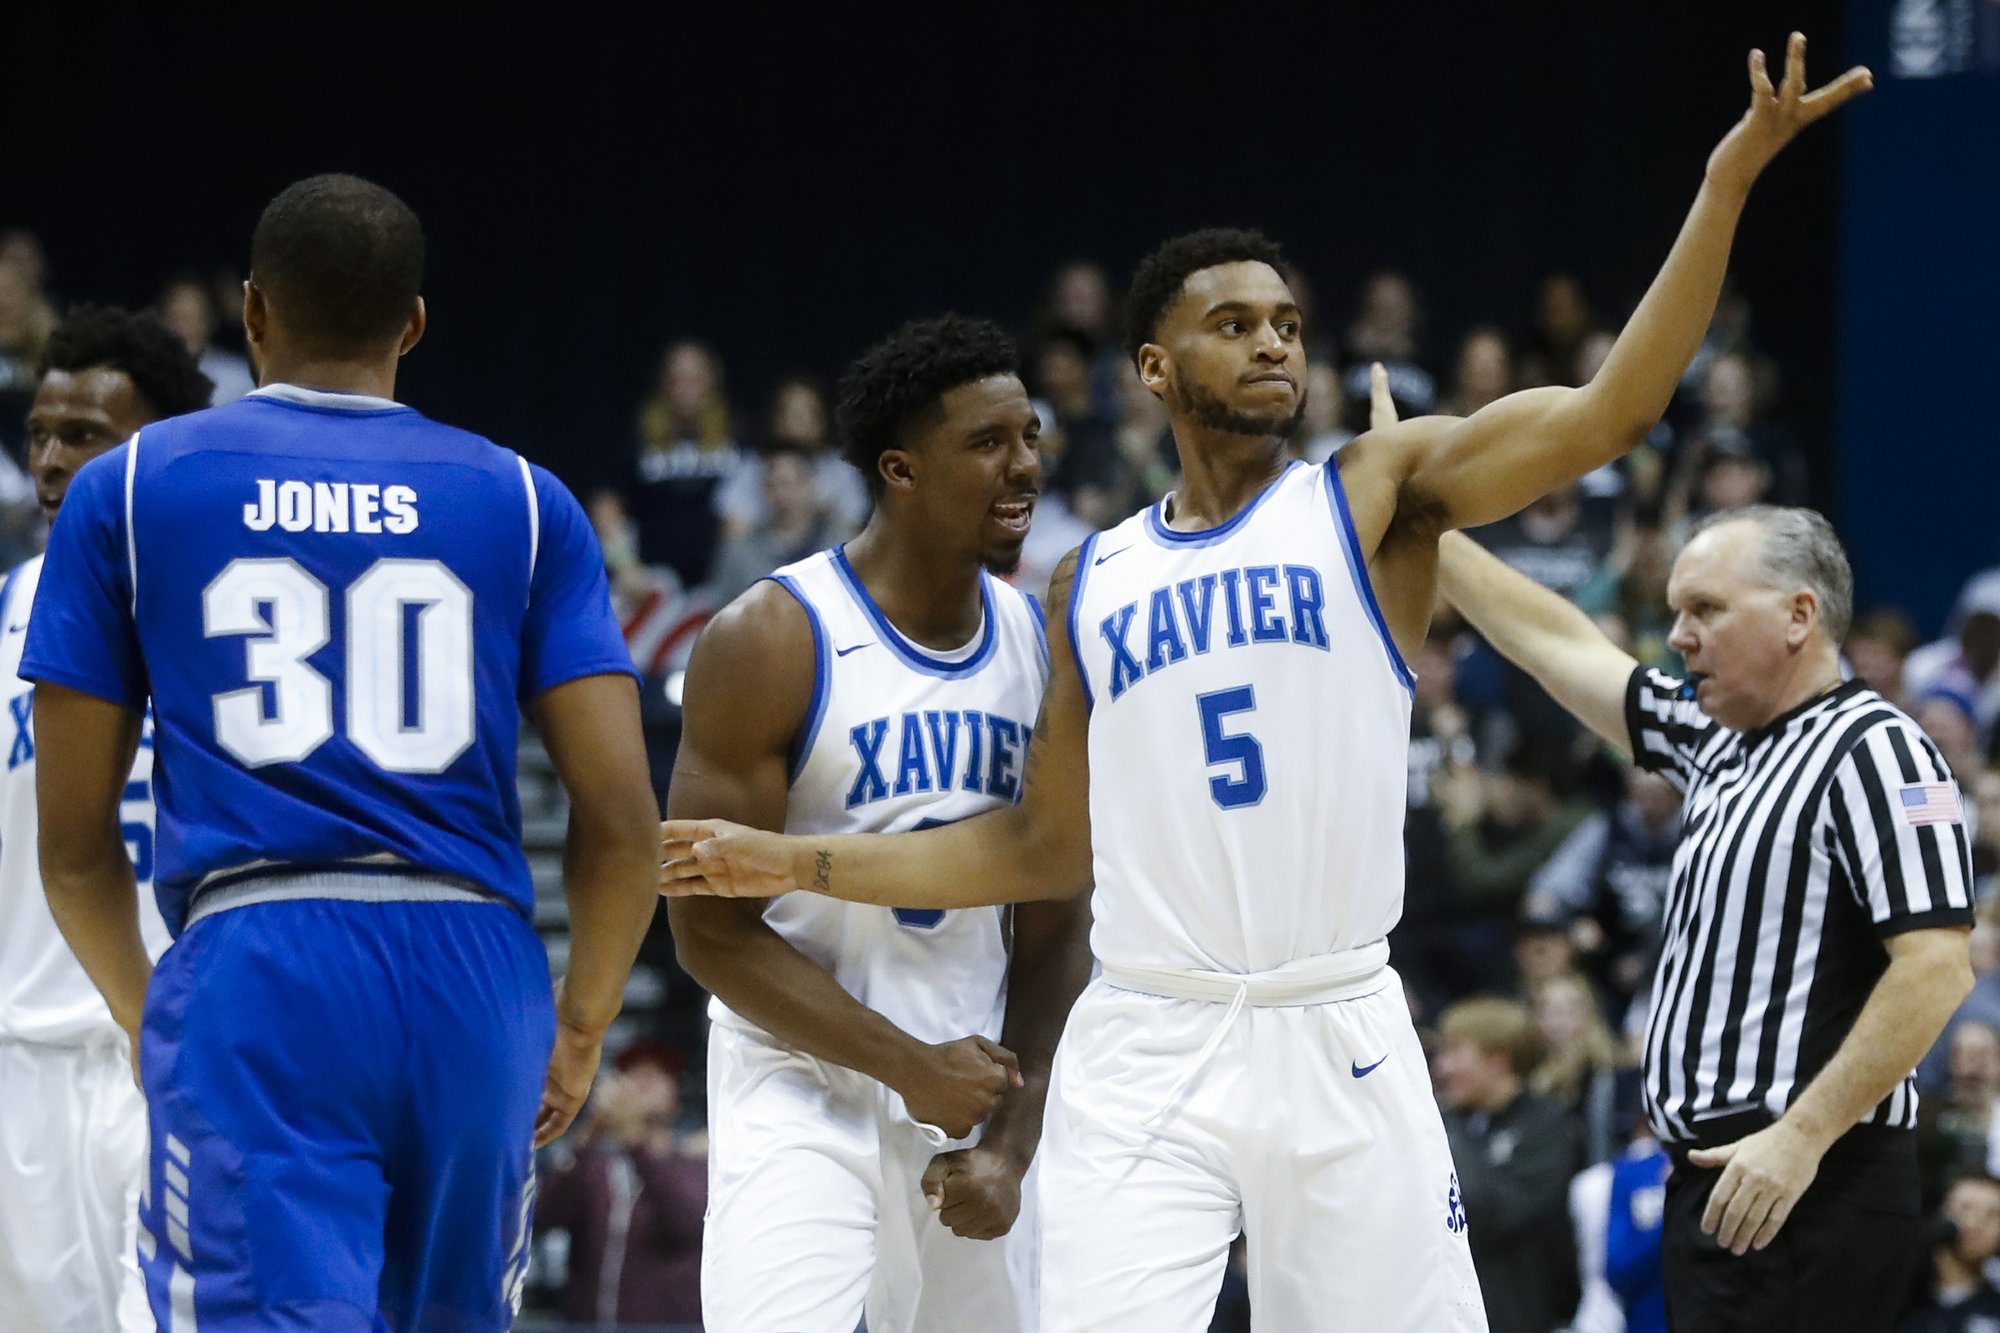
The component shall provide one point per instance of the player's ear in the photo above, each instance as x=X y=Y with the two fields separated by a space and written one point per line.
x=1152 y=360
x=896 y=470
x=256 y=315
x=413 y=330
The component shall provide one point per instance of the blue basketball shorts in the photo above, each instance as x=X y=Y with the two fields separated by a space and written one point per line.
x=341 y=1098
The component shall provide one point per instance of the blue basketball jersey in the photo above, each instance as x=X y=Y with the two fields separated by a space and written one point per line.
x=337 y=607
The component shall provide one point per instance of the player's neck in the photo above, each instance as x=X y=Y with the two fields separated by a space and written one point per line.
x=1220 y=473
x=934 y=600
x=331 y=376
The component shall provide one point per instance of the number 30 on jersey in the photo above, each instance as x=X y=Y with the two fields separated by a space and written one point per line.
x=409 y=704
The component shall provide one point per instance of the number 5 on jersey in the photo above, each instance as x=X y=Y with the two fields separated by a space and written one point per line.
x=1246 y=785
x=408 y=657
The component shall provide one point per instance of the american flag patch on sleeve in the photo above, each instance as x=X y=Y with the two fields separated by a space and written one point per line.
x=1930 y=803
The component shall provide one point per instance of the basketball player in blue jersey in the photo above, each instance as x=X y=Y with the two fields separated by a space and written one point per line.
x=337 y=609
x=887 y=684
x=72 y=1125
x=1223 y=746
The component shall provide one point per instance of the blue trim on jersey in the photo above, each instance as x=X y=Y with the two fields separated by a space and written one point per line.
x=912 y=655
x=1156 y=519
x=1083 y=554
x=1336 y=500
x=822 y=678
x=1041 y=626
x=7 y=594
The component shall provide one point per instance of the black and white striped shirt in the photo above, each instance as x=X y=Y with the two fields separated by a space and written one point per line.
x=1804 y=843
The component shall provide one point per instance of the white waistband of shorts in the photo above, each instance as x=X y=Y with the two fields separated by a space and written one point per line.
x=1322 y=979
x=340 y=885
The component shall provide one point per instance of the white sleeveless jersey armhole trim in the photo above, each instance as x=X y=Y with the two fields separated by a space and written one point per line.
x=816 y=710
x=534 y=521
x=131 y=533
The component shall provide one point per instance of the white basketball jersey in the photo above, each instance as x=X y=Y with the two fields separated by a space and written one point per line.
x=902 y=737
x=45 y=995
x=1249 y=735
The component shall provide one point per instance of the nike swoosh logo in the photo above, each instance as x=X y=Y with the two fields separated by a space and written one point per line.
x=1108 y=554
x=17 y=629
x=842 y=652
x=1363 y=1071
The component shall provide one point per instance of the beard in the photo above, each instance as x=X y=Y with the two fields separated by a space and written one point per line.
x=1001 y=562
x=1210 y=412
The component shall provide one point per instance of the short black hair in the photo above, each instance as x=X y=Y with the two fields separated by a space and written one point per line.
x=1157 y=282
x=907 y=372
x=92 y=337
x=344 y=259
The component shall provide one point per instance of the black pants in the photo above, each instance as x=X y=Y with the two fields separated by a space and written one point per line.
x=1843 y=1260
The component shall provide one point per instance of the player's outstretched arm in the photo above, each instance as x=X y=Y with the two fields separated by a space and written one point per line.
x=591 y=728
x=1037 y=849
x=84 y=752
x=1541 y=633
x=748 y=689
x=1460 y=474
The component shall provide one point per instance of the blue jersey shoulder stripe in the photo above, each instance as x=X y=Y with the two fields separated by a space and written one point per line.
x=1350 y=544
x=1083 y=554
x=822 y=677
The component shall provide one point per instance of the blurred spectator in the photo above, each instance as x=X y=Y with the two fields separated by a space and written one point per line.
x=1551 y=542
x=1078 y=429
x=1953 y=1294
x=1544 y=949
x=1562 y=320
x=1631 y=587
x=1985 y=794
x=186 y=308
x=1079 y=301
x=1322 y=432
x=1582 y=1069
x=1616 y=1208
x=630 y=1193
x=793 y=525
x=1876 y=649
x=1385 y=330
x=1953 y=1131
x=1966 y=664
x=1483 y=372
x=667 y=515
x=24 y=327
x=1515 y=1155
x=1611 y=875
x=1734 y=452
x=1425 y=942
x=1499 y=829
x=800 y=421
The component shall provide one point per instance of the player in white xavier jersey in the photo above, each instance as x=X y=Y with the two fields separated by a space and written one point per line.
x=1230 y=699
x=72 y=1122
x=886 y=685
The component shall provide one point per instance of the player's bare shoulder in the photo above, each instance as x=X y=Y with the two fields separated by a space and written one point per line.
x=752 y=671
x=1378 y=470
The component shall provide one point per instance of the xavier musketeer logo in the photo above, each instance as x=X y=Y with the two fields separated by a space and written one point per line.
x=1363 y=1071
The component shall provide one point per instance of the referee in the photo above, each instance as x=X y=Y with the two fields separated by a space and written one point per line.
x=1815 y=930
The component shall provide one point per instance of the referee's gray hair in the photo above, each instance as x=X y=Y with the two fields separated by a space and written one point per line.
x=1800 y=550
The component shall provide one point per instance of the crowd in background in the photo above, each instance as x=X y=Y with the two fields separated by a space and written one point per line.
x=1538 y=863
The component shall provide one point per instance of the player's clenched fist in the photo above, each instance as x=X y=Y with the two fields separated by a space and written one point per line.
x=975 y=1191
x=956 y=1084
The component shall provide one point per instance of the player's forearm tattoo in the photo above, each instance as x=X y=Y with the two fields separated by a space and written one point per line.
x=823 y=870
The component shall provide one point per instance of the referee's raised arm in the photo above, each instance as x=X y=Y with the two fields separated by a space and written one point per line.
x=1816 y=927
